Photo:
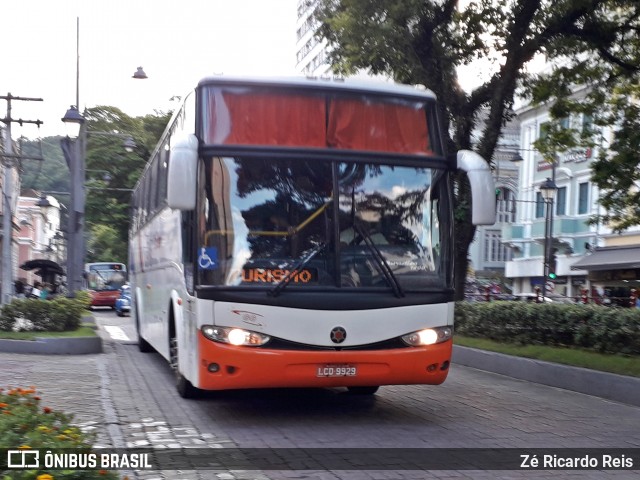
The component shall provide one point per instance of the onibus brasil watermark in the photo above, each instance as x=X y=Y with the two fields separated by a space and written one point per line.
x=322 y=459
x=35 y=459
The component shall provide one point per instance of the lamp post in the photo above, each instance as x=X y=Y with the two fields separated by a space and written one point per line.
x=548 y=190
x=73 y=147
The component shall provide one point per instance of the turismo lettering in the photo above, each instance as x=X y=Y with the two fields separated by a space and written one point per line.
x=267 y=275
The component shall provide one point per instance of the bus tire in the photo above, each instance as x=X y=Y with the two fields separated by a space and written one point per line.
x=143 y=345
x=362 y=390
x=185 y=387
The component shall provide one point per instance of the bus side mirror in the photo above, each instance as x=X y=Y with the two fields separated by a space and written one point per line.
x=483 y=189
x=183 y=166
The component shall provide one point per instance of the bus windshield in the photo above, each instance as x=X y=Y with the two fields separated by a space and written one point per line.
x=106 y=276
x=266 y=222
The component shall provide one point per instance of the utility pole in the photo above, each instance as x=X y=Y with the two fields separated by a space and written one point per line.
x=9 y=162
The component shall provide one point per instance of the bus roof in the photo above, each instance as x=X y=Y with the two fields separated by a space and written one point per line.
x=315 y=83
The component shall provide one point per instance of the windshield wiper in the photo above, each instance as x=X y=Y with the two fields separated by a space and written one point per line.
x=382 y=263
x=282 y=284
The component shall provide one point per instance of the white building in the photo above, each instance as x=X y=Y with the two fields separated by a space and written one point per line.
x=311 y=53
x=576 y=200
x=488 y=253
x=37 y=234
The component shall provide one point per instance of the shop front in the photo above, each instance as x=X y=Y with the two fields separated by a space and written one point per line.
x=613 y=273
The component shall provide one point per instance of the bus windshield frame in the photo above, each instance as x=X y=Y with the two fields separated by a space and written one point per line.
x=258 y=141
x=268 y=223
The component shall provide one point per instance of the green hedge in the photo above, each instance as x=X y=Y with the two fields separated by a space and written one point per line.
x=57 y=315
x=601 y=329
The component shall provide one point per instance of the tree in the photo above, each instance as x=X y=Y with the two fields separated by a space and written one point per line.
x=617 y=171
x=109 y=198
x=105 y=245
x=48 y=174
x=425 y=42
x=603 y=88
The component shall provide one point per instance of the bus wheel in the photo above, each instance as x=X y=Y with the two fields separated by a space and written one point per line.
x=143 y=345
x=185 y=387
x=362 y=390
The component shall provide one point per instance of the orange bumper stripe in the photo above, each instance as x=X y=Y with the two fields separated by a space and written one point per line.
x=248 y=367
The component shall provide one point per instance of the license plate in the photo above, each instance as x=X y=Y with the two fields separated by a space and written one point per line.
x=336 y=371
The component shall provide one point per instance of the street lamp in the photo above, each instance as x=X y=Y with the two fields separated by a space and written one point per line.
x=106 y=176
x=73 y=122
x=129 y=145
x=139 y=74
x=548 y=191
x=73 y=147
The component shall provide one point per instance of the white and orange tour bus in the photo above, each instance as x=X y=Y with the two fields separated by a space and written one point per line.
x=299 y=233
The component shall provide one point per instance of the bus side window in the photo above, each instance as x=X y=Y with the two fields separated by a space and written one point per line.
x=188 y=245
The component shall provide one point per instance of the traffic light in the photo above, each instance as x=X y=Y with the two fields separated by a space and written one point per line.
x=553 y=263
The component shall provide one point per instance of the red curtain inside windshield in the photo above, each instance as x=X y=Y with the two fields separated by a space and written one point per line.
x=250 y=118
x=360 y=124
x=267 y=118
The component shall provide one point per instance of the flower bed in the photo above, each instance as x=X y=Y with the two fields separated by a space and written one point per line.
x=56 y=315
x=26 y=424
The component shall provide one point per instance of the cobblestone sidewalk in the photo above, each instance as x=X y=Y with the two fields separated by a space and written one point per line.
x=107 y=398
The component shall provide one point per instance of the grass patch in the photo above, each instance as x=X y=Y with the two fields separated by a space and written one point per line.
x=620 y=364
x=85 y=330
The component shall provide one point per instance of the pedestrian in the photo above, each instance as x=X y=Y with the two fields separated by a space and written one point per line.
x=19 y=288
x=35 y=290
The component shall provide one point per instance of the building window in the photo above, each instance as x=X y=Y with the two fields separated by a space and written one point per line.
x=494 y=249
x=561 y=201
x=539 y=205
x=587 y=124
x=505 y=206
x=583 y=198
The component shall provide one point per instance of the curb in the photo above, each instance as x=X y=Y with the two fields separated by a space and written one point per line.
x=56 y=346
x=619 y=388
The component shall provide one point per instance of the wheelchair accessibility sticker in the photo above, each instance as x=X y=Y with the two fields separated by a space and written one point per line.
x=208 y=258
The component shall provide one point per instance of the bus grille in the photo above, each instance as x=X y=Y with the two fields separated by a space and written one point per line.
x=280 y=344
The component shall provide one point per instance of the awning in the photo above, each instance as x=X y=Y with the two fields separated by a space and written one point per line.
x=610 y=258
x=43 y=265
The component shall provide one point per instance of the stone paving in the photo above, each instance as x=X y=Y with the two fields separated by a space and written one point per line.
x=129 y=400
x=88 y=386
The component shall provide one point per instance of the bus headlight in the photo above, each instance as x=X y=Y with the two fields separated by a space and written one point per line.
x=428 y=336
x=234 y=336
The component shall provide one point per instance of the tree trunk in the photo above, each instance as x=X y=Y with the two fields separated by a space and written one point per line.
x=463 y=234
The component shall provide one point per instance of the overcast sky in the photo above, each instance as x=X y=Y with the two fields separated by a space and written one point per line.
x=176 y=43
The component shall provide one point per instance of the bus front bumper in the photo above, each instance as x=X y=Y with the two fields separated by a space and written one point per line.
x=223 y=366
